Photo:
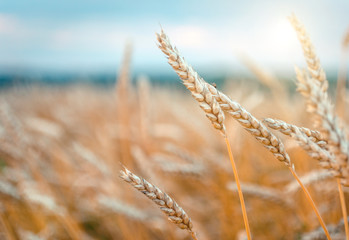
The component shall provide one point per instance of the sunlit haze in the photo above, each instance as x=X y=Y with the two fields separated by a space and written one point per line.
x=91 y=35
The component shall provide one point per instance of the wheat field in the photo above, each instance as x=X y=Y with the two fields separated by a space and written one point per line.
x=70 y=157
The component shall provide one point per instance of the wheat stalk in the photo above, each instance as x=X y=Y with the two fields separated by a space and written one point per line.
x=167 y=205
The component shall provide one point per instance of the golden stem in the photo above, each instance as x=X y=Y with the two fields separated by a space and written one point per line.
x=242 y=202
x=310 y=200
x=344 y=208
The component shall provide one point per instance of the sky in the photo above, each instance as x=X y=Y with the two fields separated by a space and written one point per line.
x=90 y=35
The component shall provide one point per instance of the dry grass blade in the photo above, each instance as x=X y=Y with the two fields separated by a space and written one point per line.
x=174 y=212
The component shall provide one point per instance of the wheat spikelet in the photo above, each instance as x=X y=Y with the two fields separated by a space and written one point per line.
x=269 y=80
x=333 y=133
x=122 y=208
x=123 y=78
x=289 y=129
x=314 y=89
x=335 y=230
x=253 y=126
x=265 y=193
x=313 y=62
x=311 y=141
x=143 y=90
x=182 y=153
x=8 y=189
x=249 y=122
x=175 y=165
x=309 y=178
x=87 y=155
x=326 y=159
x=193 y=82
x=174 y=212
x=195 y=170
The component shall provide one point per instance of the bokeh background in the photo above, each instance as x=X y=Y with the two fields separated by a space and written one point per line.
x=85 y=90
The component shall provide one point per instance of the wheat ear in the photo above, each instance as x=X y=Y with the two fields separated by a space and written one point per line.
x=289 y=129
x=167 y=205
x=315 y=89
x=309 y=178
x=193 y=82
x=313 y=62
x=320 y=106
x=311 y=141
x=264 y=193
x=200 y=90
x=250 y=123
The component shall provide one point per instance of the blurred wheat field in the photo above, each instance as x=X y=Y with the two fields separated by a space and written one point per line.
x=62 y=150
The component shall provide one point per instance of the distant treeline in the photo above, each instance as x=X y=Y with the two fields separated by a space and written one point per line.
x=109 y=79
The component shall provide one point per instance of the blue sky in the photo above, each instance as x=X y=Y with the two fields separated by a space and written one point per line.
x=89 y=35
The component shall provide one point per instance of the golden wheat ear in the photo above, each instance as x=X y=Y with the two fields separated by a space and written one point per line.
x=313 y=86
x=167 y=205
x=208 y=102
